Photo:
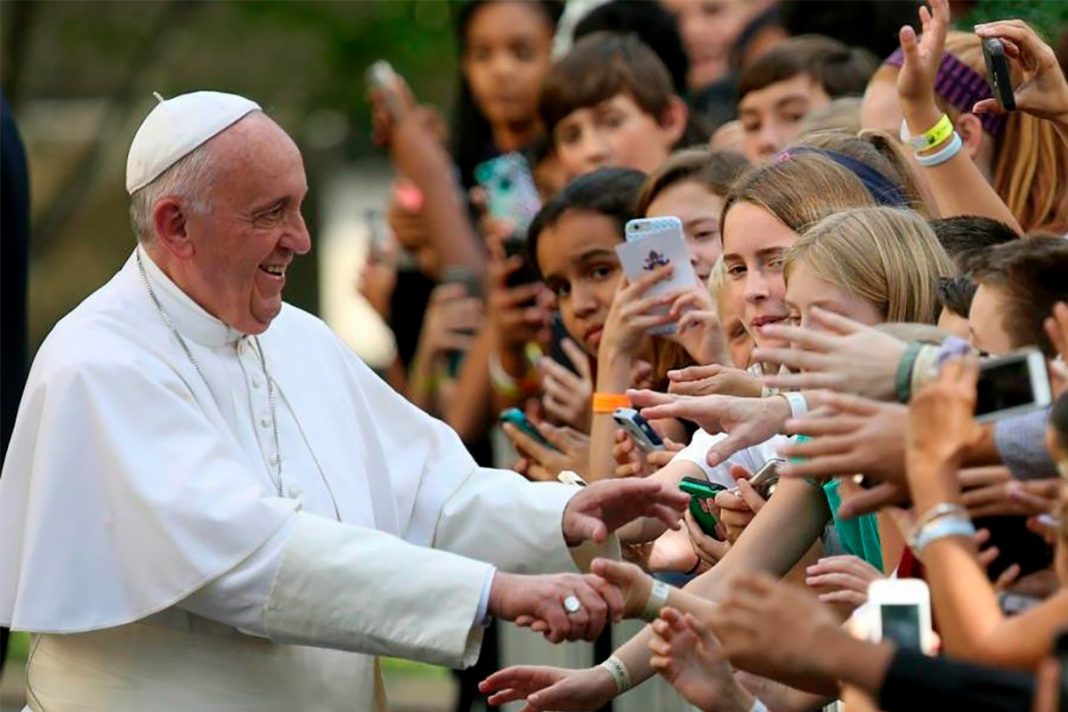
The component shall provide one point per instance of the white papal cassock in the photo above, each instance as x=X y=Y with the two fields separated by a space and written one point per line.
x=143 y=543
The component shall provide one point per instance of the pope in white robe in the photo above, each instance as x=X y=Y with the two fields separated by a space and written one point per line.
x=199 y=512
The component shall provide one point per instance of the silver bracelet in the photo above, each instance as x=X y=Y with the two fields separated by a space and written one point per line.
x=658 y=598
x=618 y=671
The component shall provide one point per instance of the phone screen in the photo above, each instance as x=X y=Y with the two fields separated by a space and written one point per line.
x=1003 y=386
x=901 y=624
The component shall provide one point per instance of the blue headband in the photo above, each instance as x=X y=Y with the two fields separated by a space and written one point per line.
x=882 y=190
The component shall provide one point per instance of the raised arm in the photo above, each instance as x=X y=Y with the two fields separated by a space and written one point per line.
x=965 y=603
x=958 y=185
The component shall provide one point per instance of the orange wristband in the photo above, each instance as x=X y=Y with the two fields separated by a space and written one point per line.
x=608 y=402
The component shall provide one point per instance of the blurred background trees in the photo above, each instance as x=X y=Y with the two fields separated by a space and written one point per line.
x=80 y=76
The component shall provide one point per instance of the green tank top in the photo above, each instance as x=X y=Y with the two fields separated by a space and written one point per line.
x=859 y=536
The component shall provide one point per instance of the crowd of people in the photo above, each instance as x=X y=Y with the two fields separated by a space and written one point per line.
x=867 y=226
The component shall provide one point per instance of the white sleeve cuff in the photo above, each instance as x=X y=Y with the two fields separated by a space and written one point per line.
x=352 y=588
x=482 y=615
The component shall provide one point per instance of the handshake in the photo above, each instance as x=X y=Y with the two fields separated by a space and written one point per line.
x=572 y=606
x=576 y=606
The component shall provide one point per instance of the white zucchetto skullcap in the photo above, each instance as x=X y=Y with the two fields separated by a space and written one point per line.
x=177 y=126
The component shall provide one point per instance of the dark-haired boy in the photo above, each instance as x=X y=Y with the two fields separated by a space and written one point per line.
x=610 y=102
x=777 y=90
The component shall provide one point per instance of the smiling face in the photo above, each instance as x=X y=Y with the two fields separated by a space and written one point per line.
x=578 y=261
x=232 y=259
x=699 y=210
x=805 y=290
x=506 y=56
x=754 y=241
x=616 y=133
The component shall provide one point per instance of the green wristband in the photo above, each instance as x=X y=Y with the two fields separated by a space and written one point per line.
x=904 y=371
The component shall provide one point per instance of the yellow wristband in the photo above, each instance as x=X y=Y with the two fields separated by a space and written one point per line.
x=930 y=138
x=608 y=402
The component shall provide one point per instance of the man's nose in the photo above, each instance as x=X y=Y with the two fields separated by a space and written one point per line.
x=297 y=238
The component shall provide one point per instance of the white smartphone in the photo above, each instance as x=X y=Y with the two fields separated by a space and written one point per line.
x=1010 y=384
x=638 y=429
x=900 y=611
x=381 y=76
x=652 y=243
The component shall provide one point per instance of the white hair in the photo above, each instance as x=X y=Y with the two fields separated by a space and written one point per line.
x=189 y=179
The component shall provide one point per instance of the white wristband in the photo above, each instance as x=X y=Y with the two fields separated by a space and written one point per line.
x=759 y=706
x=798 y=404
x=501 y=380
x=943 y=154
x=618 y=671
x=658 y=598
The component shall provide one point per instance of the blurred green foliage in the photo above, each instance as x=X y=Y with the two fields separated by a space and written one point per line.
x=1048 y=17
x=80 y=76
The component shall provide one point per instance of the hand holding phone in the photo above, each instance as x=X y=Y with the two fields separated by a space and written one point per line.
x=525 y=274
x=699 y=490
x=382 y=78
x=510 y=191
x=638 y=429
x=766 y=479
x=653 y=243
x=901 y=611
x=998 y=74
x=519 y=419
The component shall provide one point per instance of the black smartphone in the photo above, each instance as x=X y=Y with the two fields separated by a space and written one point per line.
x=473 y=286
x=516 y=247
x=1014 y=383
x=463 y=275
x=998 y=74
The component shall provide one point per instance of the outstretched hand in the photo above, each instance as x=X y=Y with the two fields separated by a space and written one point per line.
x=775 y=629
x=605 y=506
x=549 y=688
x=842 y=355
x=633 y=584
x=687 y=655
x=746 y=421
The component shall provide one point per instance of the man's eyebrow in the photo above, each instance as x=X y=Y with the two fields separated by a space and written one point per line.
x=791 y=99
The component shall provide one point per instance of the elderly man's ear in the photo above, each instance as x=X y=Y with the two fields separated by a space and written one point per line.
x=169 y=222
